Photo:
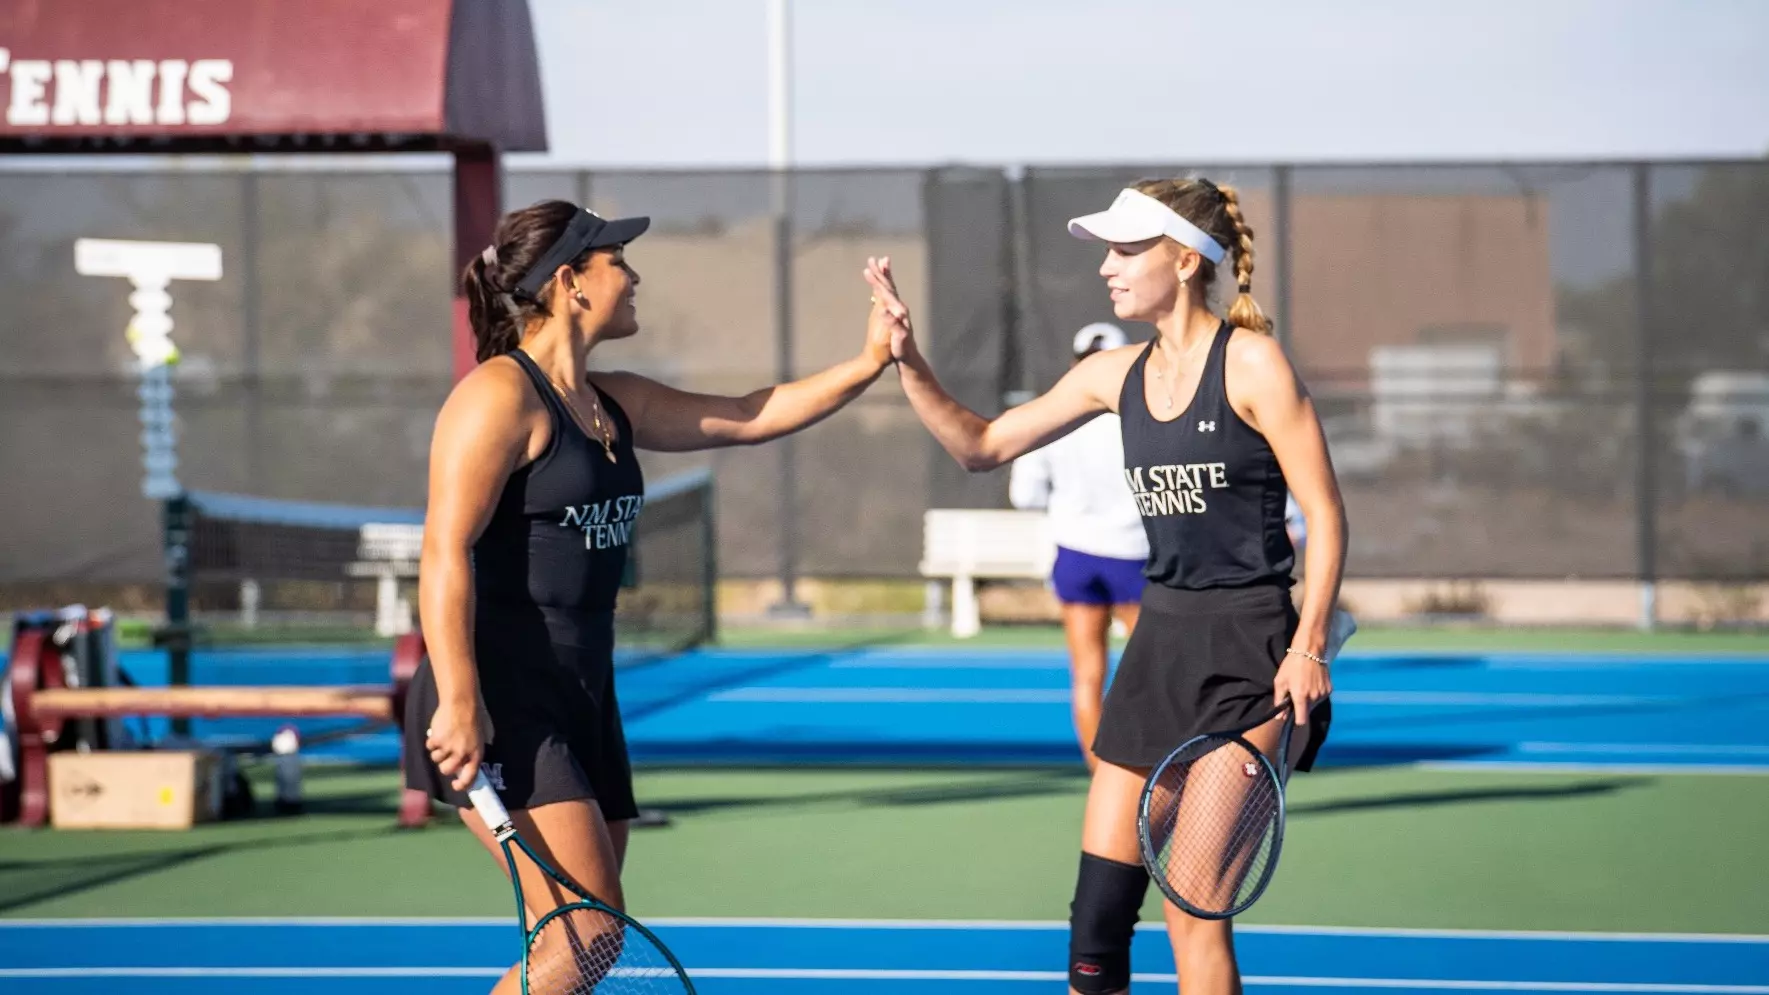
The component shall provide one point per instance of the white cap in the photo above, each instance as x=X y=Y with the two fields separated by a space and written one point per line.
x=1108 y=335
x=1135 y=216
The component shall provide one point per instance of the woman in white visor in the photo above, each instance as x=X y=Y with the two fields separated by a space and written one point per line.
x=1217 y=428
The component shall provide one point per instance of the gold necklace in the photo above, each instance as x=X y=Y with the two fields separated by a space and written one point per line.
x=603 y=435
x=1168 y=385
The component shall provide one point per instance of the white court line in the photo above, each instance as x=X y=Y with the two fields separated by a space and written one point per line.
x=959 y=656
x=1284 y=981
x=283 y=655
x=207 y=922
x=1532 y=661
x=869 y=663
x=863 y=974
x=787 y=922
x=252 y=972
x=968 y=661
x=1501 y=698
x=1638 y=749
x=1576 y=767
x=1041 y=696
x=896 y=696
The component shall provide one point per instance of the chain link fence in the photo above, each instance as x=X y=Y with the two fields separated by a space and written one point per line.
x=1527 y=372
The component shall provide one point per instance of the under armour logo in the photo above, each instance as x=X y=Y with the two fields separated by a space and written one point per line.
x=494 y=773
x=1206 y=426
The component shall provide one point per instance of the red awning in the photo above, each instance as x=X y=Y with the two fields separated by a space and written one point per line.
x=250 y=75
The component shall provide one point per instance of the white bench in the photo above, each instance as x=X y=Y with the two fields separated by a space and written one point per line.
x=963 y=545
x=389 y=552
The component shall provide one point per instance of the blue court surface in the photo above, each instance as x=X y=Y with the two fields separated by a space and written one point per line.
x=266 y=957
x=998 y=706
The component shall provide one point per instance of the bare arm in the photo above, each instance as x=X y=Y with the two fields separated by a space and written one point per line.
x=669 y=420
x=1265 y=390
x=665 y=419
x=480 y=437
x=979 y=443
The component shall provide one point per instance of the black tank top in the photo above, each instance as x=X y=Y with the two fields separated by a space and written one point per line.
x=558 y=538
x=1209 y=487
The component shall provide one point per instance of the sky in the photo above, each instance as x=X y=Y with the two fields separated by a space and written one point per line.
x=683 y=83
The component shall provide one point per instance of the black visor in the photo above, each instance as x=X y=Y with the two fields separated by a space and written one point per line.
x=585 y=232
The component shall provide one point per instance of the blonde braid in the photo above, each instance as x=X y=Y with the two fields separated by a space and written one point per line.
x=1245 y=311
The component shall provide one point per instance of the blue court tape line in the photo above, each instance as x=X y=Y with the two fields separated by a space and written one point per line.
x=258 y=955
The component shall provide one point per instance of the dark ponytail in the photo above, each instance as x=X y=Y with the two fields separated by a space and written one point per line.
x=498 y=317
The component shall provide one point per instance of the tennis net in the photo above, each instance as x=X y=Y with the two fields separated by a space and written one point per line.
x=266 y=570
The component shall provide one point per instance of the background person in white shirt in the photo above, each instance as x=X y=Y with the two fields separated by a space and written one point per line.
x=1101 y=545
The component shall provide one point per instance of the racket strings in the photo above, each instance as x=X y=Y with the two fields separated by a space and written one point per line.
x=584 y=950
x=1213 y=820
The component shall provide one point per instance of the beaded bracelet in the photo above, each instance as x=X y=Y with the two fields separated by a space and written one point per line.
x=1304 y=653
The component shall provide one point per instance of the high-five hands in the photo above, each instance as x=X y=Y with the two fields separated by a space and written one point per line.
x=889 y=314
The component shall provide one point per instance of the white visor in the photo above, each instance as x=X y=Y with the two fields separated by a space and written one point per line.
x=1135 y=217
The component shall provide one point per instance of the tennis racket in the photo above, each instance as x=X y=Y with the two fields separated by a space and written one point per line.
x=1211 y=816
x=582 y=946
x=1211 y=819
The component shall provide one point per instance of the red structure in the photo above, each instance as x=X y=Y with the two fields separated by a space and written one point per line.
x=146 y=77
x=43 y=703
x=141 y=77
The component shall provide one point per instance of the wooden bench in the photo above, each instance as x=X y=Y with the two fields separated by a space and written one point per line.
x=42 y=704
x=964 y=545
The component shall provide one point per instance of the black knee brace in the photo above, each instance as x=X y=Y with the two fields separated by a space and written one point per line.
x=1102 y=919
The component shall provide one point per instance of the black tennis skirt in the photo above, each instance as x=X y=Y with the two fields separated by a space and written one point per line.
x=1199 y=662
x=547 y=679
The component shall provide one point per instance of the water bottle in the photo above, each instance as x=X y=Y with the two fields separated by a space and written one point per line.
x=286 y=745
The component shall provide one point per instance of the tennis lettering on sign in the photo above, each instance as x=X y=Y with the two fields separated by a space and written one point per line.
x=65 y=92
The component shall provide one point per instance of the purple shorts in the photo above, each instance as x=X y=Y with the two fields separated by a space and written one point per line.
x=1085 y=579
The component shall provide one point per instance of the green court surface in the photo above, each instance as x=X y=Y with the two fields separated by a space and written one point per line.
x=1381 y=847
x=1425 y=639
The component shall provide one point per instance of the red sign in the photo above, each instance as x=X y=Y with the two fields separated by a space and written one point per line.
x=116 y=69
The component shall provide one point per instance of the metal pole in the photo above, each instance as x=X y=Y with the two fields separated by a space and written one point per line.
x=780 y=165
x=779 y=83
x=251 y=326
x=1019 y=373
x=1646 y=492
x=1282 y=328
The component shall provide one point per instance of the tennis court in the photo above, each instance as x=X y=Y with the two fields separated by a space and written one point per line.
x=1542 y=375
x=736 y=956
x=1538 y=821
x=1687 y=711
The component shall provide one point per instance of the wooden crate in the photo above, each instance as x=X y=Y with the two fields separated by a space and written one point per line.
x=123 y=789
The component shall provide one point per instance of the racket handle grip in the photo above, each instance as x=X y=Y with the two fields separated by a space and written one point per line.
x=487 y=803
